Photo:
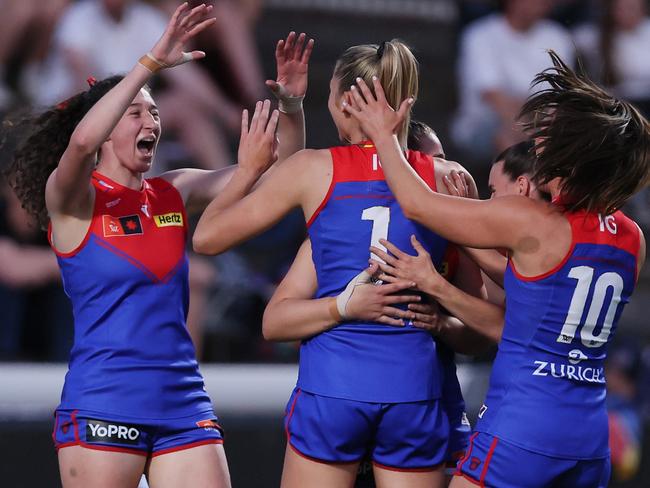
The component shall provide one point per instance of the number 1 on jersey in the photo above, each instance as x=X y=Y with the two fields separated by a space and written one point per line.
x=380 y=217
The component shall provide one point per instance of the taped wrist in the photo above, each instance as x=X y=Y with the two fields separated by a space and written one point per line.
x=346 y=295
x=287 y=103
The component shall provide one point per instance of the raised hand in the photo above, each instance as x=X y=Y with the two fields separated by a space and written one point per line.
x=183 y=26
x=292 y=60
x=258 y=148
x=401 y=266
x=376 y=116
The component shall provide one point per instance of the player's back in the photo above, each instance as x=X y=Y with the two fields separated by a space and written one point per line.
x=547 y=390
x=367 y=361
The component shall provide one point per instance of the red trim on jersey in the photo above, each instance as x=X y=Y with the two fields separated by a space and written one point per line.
x=585 y=229
x=81 y=244
x=352 y=163
x=488 y=458
x=407 y=470
x=326 y=199
x=186 y=446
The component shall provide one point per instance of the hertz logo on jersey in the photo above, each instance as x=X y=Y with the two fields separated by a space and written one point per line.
x=169 y=219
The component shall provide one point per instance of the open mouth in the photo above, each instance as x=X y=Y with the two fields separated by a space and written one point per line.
x=146 y=146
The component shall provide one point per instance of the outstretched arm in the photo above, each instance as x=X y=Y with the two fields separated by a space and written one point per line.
x=292 y=60
x=68 y=189
x=221 y=227
x=199 y=187
x=293 y=313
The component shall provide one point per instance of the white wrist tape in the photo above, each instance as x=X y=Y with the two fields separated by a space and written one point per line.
x=287 y=104
x=343 y=299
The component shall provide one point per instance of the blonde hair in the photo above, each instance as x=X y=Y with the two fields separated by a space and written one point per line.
x=395 y=66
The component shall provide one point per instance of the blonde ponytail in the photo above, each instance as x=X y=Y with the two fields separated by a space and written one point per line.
x=395 y=66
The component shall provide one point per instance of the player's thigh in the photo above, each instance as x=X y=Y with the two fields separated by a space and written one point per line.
x=386 y=478
x=202 y=466
x=82 y=468
x=460 y=482
x=299 y=472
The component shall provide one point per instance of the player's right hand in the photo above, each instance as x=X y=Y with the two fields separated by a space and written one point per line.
x=258 y=145
x=292 y=60
x=183 y=26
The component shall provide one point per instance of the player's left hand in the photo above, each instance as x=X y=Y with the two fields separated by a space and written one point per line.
x=292 y=60
x=401 y=266
x=426 y=316
x=376 y=116
x=258 y=144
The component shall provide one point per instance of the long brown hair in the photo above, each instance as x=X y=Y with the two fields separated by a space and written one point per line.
x=40 y=141
x=392 y=62
x=598 y=145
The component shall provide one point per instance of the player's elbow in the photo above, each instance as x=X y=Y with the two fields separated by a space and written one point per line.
x=411 y=208
x=270 y=331
x=204 y=243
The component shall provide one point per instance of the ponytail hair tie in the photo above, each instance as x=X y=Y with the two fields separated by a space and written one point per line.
x=380 y=49
x=92 y=81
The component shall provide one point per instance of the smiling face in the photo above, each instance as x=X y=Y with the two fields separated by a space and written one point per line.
x=134 y=139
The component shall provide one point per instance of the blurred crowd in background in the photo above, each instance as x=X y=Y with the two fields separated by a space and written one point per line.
x=49 y=48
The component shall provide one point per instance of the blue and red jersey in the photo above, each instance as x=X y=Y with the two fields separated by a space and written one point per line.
x=547 y=389
x=361 y=361
x=128 y=284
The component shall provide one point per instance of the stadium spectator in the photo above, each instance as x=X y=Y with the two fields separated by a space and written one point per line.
x=101 y=38
x=232 y=40
x=499 y=56
x=20 y=20
x=30 y=289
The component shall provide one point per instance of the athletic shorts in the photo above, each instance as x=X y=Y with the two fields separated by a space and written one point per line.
x=459 y=434
x=493 y=462
x=401 y=436
x=144 y=437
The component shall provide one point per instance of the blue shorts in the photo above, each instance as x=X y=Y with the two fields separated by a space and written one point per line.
x=493 y=462
x=459 y=434
x=144 y=437
x=402 y=436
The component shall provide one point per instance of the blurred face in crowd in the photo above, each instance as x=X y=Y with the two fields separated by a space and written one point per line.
x=134 y=139
x=628 y=14
x=116 y=7
x=527 y=12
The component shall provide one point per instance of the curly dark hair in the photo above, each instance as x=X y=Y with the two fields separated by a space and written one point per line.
x=40 y=140
x=598 y=145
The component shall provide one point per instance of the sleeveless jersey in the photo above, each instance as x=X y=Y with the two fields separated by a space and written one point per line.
x=128 y=284
x=547 y=389
x=367 y=361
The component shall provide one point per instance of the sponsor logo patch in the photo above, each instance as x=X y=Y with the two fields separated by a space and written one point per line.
x=209 y=424
x=169 y=219
x=101 y=431
x=121 y=226
x=474 y=463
